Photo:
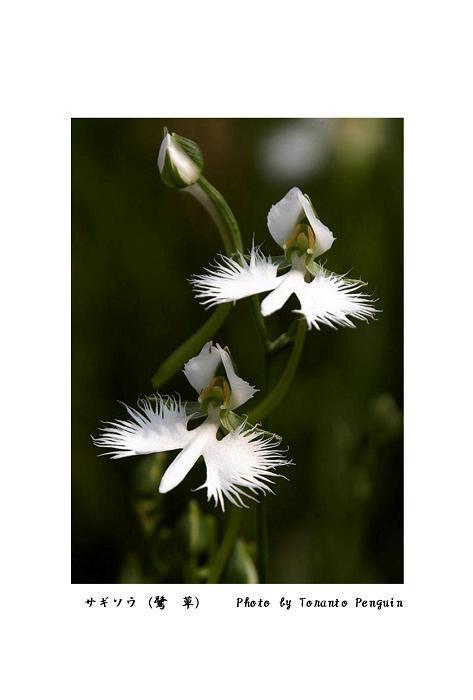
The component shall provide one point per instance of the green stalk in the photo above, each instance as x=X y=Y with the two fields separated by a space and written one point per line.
x=231 y=533
x=258 y=413
x=190 y=347
x=223 y=216
x=215 y=204
x=277 y=394
x=220 y=212
x=260 y=324
x=262 y=530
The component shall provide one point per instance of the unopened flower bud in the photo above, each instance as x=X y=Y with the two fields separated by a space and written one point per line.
x=180 y=161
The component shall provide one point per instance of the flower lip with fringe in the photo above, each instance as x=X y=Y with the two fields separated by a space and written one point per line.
x=325 y=297
x=238 y=465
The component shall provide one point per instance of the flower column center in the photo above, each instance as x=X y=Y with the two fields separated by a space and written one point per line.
x=215 y=395
x=301 y=242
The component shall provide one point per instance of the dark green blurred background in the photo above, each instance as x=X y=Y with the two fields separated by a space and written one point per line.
x=339 y=519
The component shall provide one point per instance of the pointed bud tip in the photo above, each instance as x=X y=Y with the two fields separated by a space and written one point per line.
x=180 y=161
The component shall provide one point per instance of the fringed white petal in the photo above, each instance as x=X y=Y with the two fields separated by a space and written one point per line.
x=185 y=460
x=291 y=210
x=243 y=461
x=241 y=390
x=334 y=301
x=200 y=370
x=229 y=280
x=159 y=424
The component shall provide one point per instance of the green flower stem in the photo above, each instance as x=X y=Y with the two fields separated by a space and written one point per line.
x=258 y=413
x=260 y=324
x=174 y=362
x=231 y=533
x=262 y=530
x=276 y=395
x=283 y=341
x=212 y=200
x=223 y=216
x=226 y=222
x=220 y=212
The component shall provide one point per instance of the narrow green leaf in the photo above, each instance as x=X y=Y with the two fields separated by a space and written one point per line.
x=193 y=530
x=219 y=561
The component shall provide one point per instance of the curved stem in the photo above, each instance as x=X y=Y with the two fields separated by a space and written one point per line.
x=278 y=392
x=262 y=528
x=262 y=410
x=215 y=204
x=220 y=212
x=190 y=347
x=222 y=215
x=231 y=533
x=259 y=321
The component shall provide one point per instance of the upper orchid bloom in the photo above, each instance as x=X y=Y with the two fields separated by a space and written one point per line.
x=243 y=459
x=288 y=219
x=324 y=296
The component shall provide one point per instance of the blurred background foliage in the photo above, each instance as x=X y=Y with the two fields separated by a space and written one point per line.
x=339 y=519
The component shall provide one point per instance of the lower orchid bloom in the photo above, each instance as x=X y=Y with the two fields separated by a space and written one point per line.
x=243 y=459
x=324 y=296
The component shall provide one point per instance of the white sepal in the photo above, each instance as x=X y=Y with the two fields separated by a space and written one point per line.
x=158 y=425
x=291 y=210
x=241 y=462
x=200 y=370
x=229 y=280
x=285 y=215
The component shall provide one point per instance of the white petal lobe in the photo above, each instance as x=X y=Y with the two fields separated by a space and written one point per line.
x=185 y=460
x=229 y=280
x=243 y=461
x=278 y=297
x=200 y=370
x=158 y=425
x=332 y=300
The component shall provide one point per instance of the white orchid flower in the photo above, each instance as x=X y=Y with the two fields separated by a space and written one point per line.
x=324 y=296
x=241 y=461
